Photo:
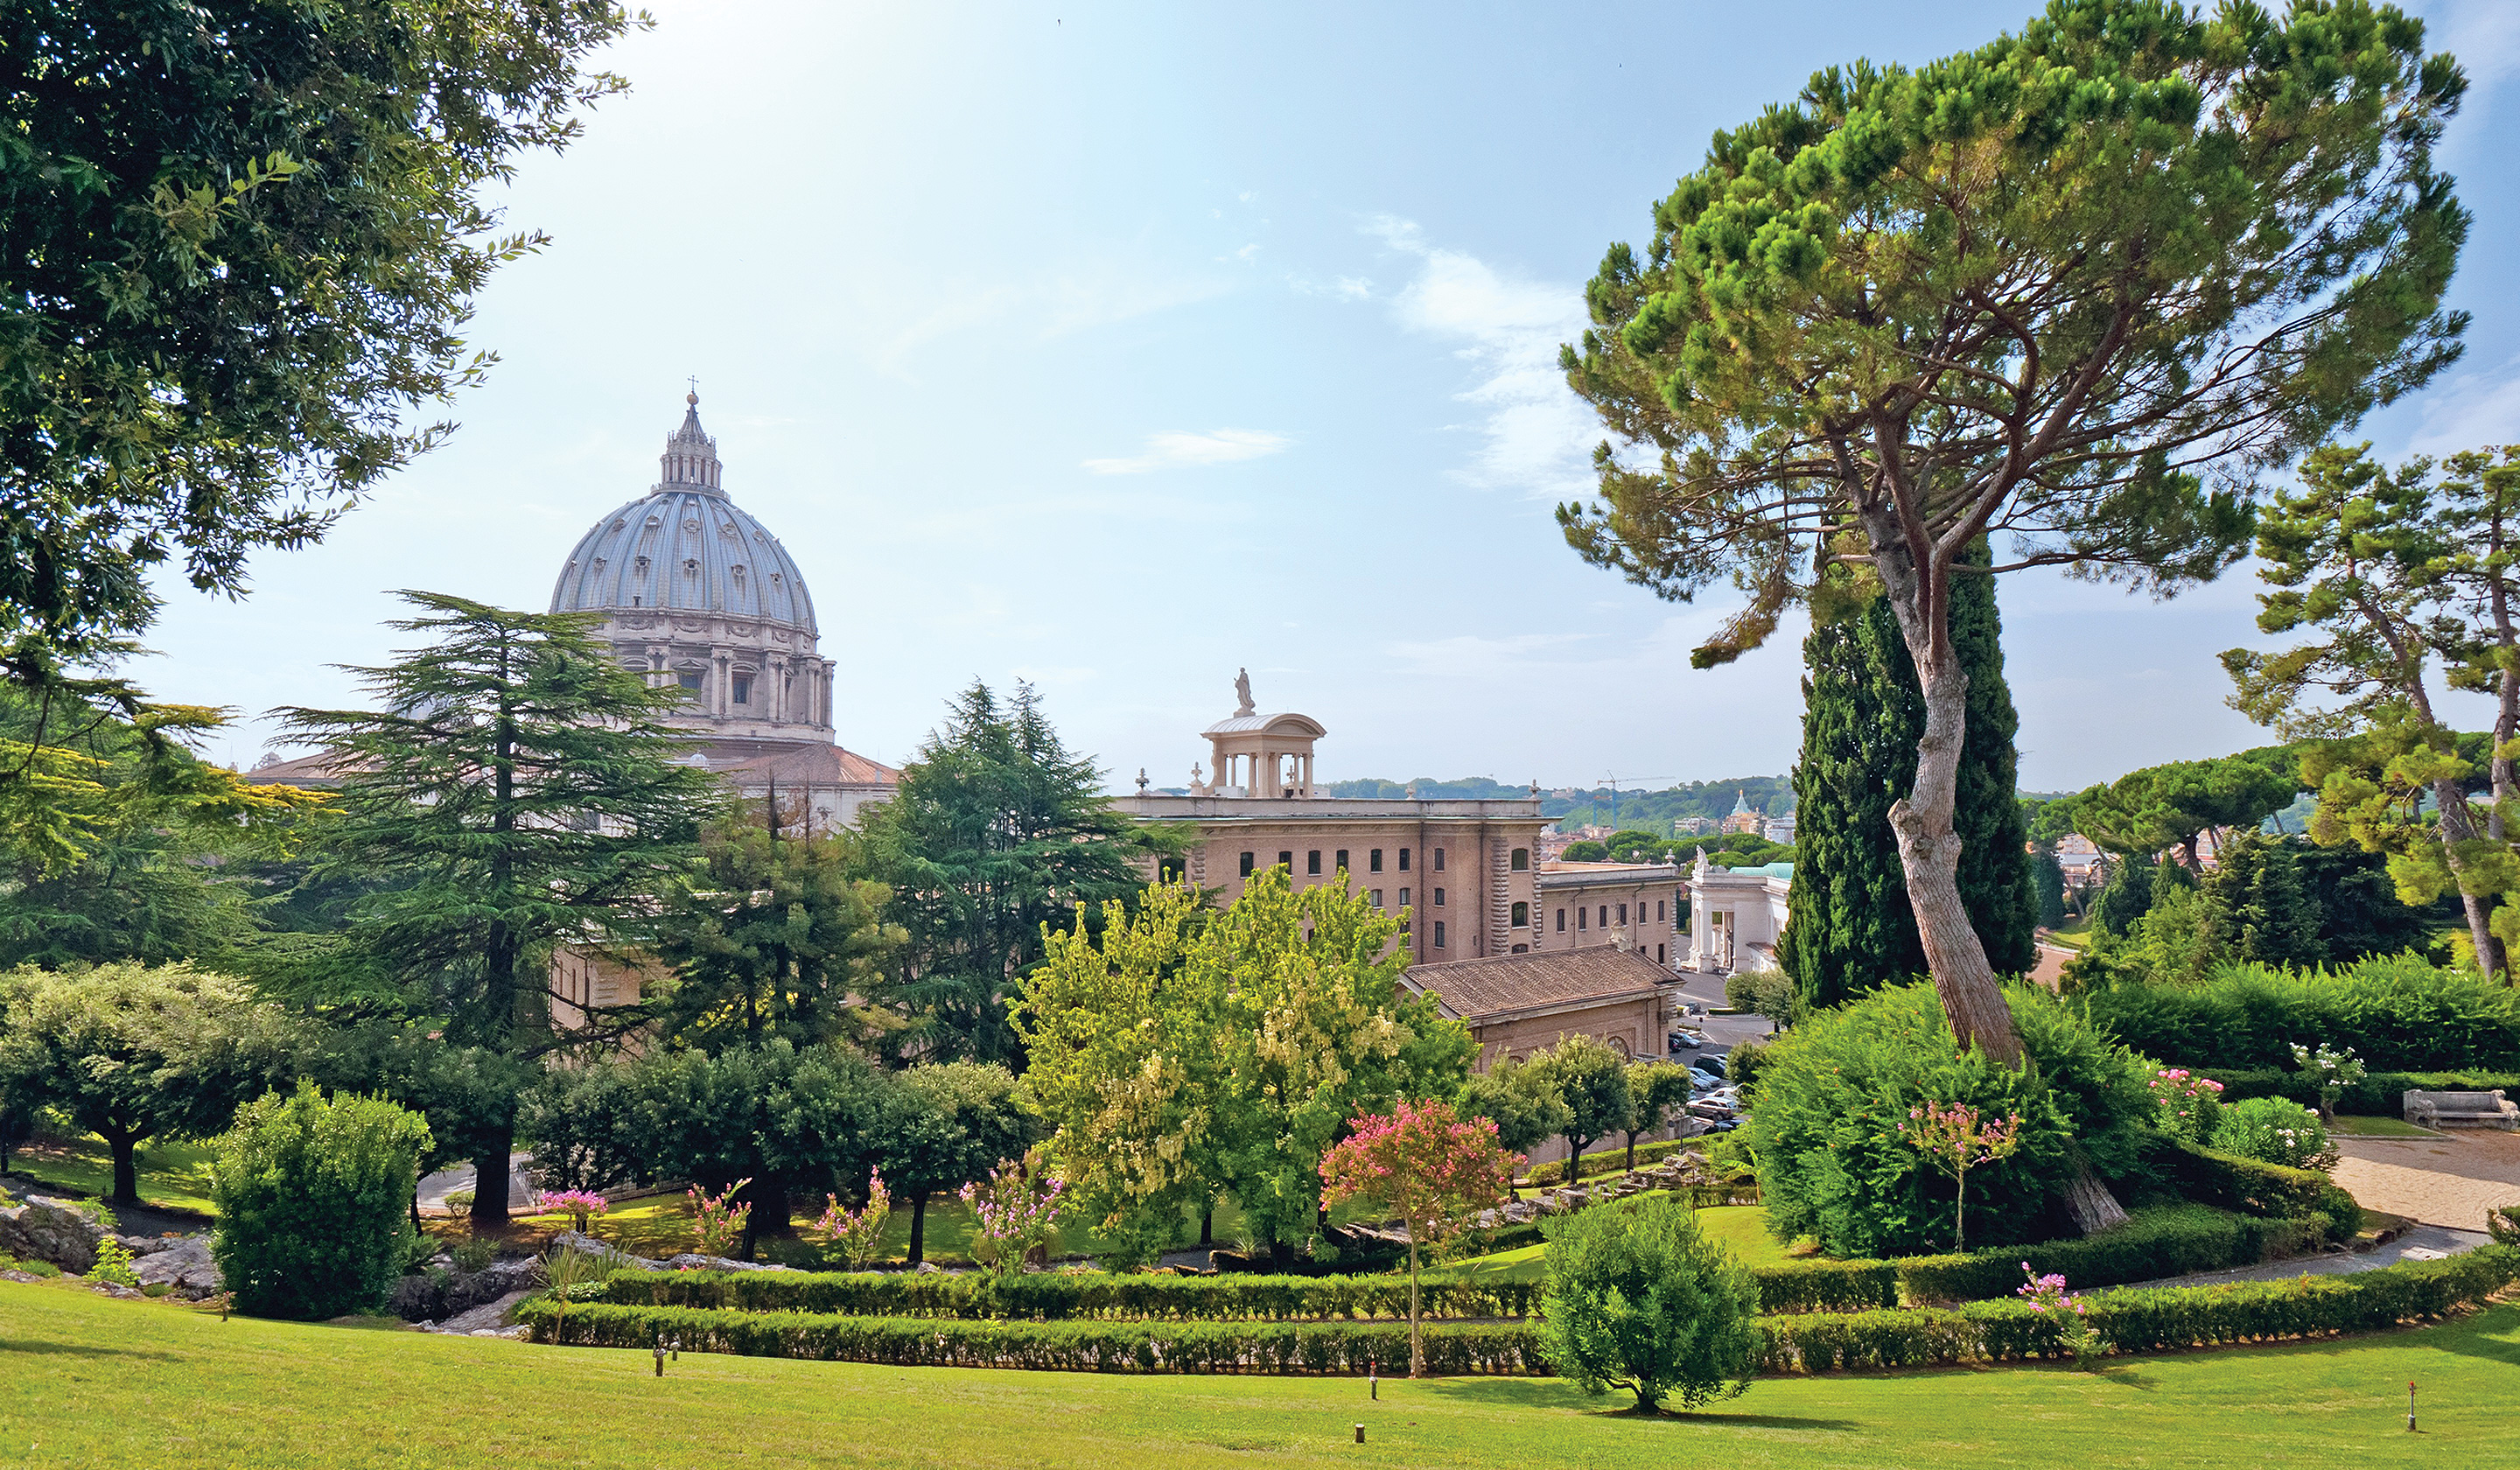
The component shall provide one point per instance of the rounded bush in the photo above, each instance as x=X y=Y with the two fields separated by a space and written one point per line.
x=1639 y=1298
x=2275 y=1131
x=1832 y=1093
x=314 y=1197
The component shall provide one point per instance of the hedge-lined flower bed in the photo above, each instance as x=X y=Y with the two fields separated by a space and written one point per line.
x=2141 y=1320
x=1070 y=1296
x=1308 y=1348
x=2379 y=1095
x=2134 y=1321
x=2157 y=1244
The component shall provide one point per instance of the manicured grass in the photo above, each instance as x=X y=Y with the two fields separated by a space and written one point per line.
x=2378 y=1128
x=97 y=1382
x=172 y=1176
x=1743 y=1228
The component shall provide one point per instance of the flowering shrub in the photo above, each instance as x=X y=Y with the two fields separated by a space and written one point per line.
x=1016 y=1212
x=2191 y=1104
x=2047 y=1297
x=2330 y=1071
x=580 y=1205
x=1427 y=1165
x=859 y=1233
x=717 y=1220
x=1958 y=1138
x=2275 y=1131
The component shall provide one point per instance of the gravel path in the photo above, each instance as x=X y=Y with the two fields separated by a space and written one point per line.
x=2451 y=1179
x=2423 y=1243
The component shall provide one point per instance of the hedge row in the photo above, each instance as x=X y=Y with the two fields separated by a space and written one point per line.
x=1070 y=1296
x=2269 y=1192
x=1609 y=1161
x=2132 y=1321
x=2142 y=1320
x=1321 y=1348
x=2155 y=1243
x=2381 y=1095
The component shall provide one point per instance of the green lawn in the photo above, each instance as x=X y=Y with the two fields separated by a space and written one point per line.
x=1743 y=1228
x=96 y=1382
x=2378 y=1128
x=172 y=1176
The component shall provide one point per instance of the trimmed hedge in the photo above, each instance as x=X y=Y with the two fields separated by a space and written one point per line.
x=2134 y=1321
x=2142 y=1320
x=2268 y=1190
x=1070 y=1296
x=1312 y=1347
x=2155 y=1243
x=2381 y=1095
x=1608 y=1161
x=1827 y=1285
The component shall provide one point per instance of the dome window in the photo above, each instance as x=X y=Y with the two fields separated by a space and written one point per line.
x=741 y=689
x=690 y=566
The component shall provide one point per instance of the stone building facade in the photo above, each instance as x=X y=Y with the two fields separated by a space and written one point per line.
x=1463 y=870
x=1737 y=915
x=1639 y=905
x=1516 y=1005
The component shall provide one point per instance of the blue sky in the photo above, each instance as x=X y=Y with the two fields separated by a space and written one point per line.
x=1114 y=348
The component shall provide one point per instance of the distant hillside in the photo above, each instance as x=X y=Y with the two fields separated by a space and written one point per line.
x=1569 y=807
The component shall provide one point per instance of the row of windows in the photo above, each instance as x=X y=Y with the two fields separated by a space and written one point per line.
x=741 y=685
x=1520 y=859
x=1582 y=914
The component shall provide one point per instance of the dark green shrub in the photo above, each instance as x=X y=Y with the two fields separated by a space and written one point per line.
x=314 y=1196
x=2180 y=1171
x=2275 y=1131
x=1827 y=1285
x=2400 y=1012
x=1639 y=1299
x=2162 y=1241
x=1832 y=1165
x=1071 y=1296
x=2379 y=1095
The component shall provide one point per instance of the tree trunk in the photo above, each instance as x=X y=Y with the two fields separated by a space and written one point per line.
x=918 y=1227
x=1207 y=1224
x=490 y=1183
x=2456 y=826
x=1929 y=853
x=126 y=1165
x=1417 y=1344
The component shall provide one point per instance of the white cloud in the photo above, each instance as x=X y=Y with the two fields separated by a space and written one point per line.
x=1539 y=435
x=2471 y=410
x=1178 y=449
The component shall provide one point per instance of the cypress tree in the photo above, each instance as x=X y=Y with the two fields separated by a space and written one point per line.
x=1851 y=929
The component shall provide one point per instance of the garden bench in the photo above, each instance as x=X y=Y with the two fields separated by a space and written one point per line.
x=2460 y=1109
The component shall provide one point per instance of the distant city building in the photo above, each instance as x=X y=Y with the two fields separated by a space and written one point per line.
x=1693 y=826
x=1780 y=828
x=1736 y=915
x=1742 y=820
x=2084 y=862
x=1632 y=904
x=1464 y=868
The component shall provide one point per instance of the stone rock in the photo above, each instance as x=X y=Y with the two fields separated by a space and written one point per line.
x=931 y=1268
x=440 y=1293
x=686 y=1261
x=489 y=1320
x=182 y=1265
x=56 y=1231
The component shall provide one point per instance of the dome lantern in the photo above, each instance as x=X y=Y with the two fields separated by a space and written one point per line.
x=689 y=459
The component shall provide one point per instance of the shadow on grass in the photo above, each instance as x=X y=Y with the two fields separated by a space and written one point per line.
x=1554 y=1393
x=80 y=1349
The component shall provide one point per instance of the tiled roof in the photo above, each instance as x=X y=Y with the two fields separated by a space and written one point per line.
x=1509 y=985
x=324 y=768
x=810 y=765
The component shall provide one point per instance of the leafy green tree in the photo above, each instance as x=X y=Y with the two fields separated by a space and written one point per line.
x=519 y=790
x=239 y=253
x=996 y=835
x=1631 y=846
x=312 y=1194
x=2127 y=894
x=2047 y=880
x=1588 y=852
x=1591 y=1079
x=2175 y=804
x=2359 y=913
x=1519 y=1100
x=1654 y=1089
x=2256 y=908
x=2036 y=290
x=131 y=1053
x=771 y=936
x=1640 y=1298
x=1851 y=927
x=797 y=1122
x=946 y=1125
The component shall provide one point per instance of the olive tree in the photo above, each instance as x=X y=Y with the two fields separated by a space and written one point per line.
x=2073 y=290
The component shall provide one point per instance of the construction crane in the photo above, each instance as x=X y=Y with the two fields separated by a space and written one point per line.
x=1631 y=780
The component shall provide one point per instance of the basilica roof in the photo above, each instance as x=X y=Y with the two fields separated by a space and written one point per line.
x=684 y=547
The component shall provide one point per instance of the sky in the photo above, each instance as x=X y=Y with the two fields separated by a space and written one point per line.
x=1116 y=347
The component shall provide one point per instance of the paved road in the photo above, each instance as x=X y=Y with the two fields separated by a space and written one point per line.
x=434 y=1187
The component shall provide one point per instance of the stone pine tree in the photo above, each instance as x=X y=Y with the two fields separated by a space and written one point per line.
x=2075 y=288
x=518 y=791
x=1851 y=929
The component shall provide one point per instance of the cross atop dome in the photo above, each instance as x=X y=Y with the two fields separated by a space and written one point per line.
x=690 y=460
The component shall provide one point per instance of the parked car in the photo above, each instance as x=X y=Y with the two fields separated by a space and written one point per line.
x=1686 y=1040
x=1704 y=1082
x=1713 y=1064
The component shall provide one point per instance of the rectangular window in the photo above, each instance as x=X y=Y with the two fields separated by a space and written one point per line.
x=690 y=682
x=1658 y=960
x=1623 y=913
x=1522 y=915
x=1562 y=921
x=1658 y=911
x=1312 y=860
x=1582 y=916
x=1374 y=861
x=1374 y=898
x=1439 y=860
x=1439 y=898
x=1521 y=860
x=1404 y=897
x=741 y=689
x=1439 y=933
x=1341 y=865
x=1404 y=859
x=1247 y=864
x=1286 y=860
x=1606 y=915
x=1171 y=870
